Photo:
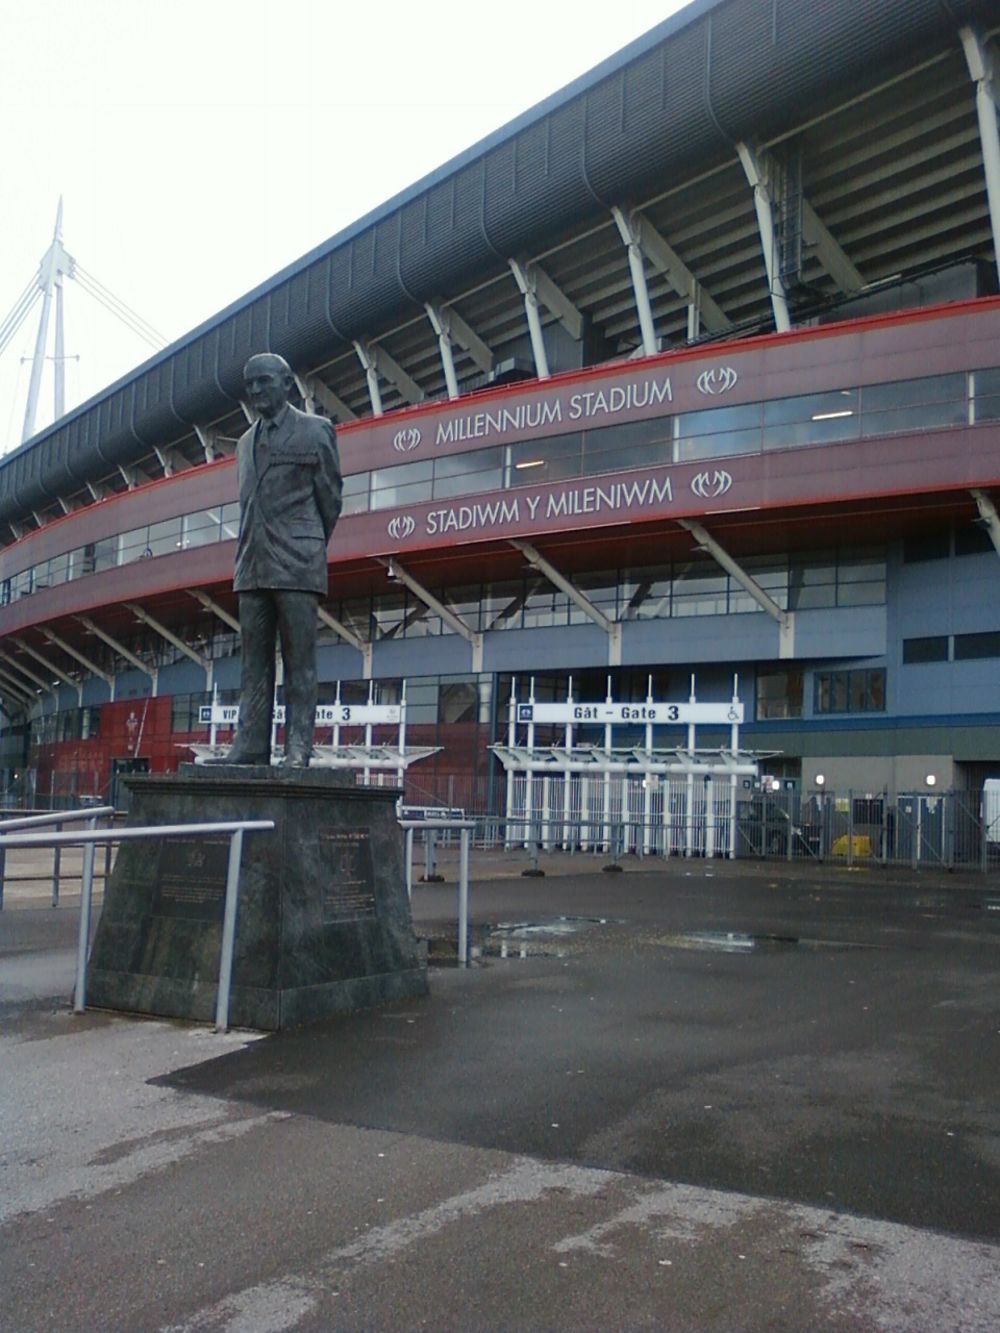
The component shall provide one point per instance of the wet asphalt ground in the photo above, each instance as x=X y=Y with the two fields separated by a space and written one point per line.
x=688 y=1096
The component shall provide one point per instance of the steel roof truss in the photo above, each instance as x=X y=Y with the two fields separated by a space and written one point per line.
x=612 y=628
x=50 y=666
x=16 y=687
x=205 y=663
x=84 y=661
x=665 y=258
x=122 y=651
x=365 y=649
x=45 y=685
x=314 y=391
x=785 y=620
x=211 y=605
x=988 y=515
x=455 y=622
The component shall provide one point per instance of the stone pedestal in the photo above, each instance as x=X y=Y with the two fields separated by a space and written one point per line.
x=323 y=925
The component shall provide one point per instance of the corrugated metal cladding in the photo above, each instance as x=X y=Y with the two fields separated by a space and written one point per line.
x=738 y=68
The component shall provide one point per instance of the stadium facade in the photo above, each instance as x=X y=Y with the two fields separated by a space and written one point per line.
x=691 y=371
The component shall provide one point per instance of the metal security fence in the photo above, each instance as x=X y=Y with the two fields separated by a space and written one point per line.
x=677 y=818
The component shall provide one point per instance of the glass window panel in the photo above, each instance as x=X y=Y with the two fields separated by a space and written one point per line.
x=635 y=444
x=229 y=518
x=458 y=701
x=937 y=546
x=968 y=646
x=972 y=539
x=355 y=493
x=837 y=405
x=719 y=420
x=389 y=613
x=465 y=474
x=779 y=694
x=988 y=407
x=134 y=545
x=700 y=594
x=402 y=484
x=914 y=393
x=201 y=528
x=164 y=538
x=930 y=648
x=545 y=606
x=503 y=605
x=717 y=446
x=535 y=461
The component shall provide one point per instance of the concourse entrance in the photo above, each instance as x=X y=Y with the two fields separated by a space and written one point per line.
x=651 y=798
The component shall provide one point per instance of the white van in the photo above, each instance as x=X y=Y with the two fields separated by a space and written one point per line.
x=991 y=809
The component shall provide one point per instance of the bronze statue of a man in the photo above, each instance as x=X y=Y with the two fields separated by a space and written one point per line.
x=290 y=497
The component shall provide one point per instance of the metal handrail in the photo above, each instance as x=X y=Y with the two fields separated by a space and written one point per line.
x=58 y=817
x=465 y=827
x=90 y=837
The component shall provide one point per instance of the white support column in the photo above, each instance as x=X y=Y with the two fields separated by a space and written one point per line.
x=785 y=619
x=206 y=663
x=377 y=361
x=51 y=666
x=84 y=661
x=988 y=514
x=460 y=332
x=359 y=644
x=211 y=446
x=702 y=307
x=612 y=628
x=530 y=294
x=367 y=359
x=122 y=651
x=456 y=623
x=629 y=235
x=983 y=72
x=167 y=460
x=765 y=225
x=314 y=391
x=128 y=476
x=97 y=492
x=442 y=331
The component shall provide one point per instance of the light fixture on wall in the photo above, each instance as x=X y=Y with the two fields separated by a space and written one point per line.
x=931 y=780
x=820 y=780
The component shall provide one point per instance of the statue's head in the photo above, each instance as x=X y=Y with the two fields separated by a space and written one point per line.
x=268 y=379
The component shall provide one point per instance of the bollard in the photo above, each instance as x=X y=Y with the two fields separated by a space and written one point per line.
x=57 y=869
x=463 y=898
x=409 y=863
x=534 y=870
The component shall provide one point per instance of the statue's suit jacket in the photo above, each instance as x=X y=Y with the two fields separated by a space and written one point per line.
x=288 y=505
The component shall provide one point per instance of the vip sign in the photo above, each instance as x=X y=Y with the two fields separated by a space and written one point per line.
x=327 y=715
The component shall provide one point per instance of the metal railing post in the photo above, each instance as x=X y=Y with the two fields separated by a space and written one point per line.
x=57 y=868
x=463 y=898
x=83 y=937
x=228 y=932
x=409 y=863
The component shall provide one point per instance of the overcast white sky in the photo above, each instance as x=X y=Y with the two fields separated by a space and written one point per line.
x=170 y=129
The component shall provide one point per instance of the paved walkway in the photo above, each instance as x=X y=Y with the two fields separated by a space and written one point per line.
x=715 y=1098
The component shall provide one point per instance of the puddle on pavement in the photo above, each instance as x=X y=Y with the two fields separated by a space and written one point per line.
x=519 y=939
x=734 y=941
